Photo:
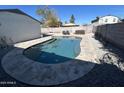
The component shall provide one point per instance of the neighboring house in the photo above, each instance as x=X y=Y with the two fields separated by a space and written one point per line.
x=70 y=25
x=108 y=19
x=17 y=26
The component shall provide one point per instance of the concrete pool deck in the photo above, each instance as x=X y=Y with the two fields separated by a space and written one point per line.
x=36 y=73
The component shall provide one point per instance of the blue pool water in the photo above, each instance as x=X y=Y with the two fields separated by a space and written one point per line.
x=57 y=50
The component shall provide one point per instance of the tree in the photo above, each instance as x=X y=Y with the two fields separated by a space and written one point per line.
x=59 y=23
x=49 y=17
x=72 y=19
x=65 y=22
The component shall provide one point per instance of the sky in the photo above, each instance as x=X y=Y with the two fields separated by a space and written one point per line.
x=83 y=13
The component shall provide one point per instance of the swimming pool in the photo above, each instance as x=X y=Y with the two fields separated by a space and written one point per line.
x=57 y=50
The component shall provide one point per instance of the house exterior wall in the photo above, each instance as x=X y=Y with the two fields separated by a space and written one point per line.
x=109 y=20
x=17 y=27
x=106 y=20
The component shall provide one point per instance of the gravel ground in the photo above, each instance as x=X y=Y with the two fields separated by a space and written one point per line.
x=105 y=74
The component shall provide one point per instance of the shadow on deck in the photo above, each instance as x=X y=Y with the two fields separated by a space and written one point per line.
x=107 y=75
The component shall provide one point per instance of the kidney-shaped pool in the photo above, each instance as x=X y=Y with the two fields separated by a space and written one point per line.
x=56 y=50
x=43 y=69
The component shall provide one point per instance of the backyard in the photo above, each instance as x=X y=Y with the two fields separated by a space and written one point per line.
x=44 y=48
x=106 y=72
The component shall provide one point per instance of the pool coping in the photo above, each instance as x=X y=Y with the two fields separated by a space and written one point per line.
x=26 y=70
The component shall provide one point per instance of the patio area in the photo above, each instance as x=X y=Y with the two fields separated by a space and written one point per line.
x=102 y=74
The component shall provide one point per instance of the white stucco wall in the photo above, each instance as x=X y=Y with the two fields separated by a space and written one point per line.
x=16 y=27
